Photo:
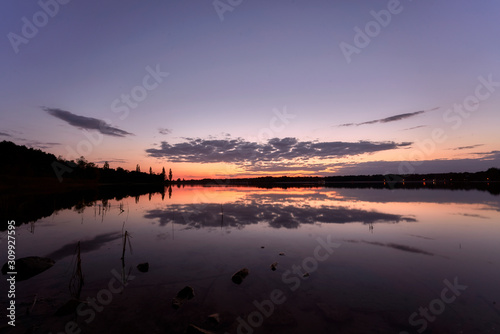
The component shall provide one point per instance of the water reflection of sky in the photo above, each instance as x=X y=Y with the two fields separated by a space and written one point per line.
x=396 y=248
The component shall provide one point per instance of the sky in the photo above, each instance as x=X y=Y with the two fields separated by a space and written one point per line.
x=239 y=88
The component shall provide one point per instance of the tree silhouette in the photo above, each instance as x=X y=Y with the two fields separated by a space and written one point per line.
x=150 y=171
x=163 y=174
x=138 y=168
x=170 y=175
x=81 y=162
x=106 y=165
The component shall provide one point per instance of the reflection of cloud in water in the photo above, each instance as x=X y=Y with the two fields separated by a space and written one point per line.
x=85 y=246
x=288 y=216
x=421 y=237
x=404 y=248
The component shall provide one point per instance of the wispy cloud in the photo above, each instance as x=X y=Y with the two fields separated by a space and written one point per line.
x=86 y=246
x=415 y=127
x=240 y=151
x=83 y=122
x=36 y=143
x=404 y=248
x=101 y=161
x=40 y=145
x=394 y=118
x=467 y=147
x=5 y=134
x=164 y=131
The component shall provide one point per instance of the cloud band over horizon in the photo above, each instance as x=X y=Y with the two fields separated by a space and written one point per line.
x=239 y=151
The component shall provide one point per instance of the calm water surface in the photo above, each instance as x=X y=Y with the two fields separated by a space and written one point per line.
x=377 y=261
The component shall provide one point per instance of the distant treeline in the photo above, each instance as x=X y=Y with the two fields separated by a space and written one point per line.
x=491 y=175
x=488 y=180
x=21 y=163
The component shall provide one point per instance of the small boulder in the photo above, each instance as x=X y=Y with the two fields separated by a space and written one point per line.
x=213 y=320
x=240 y=275
x=186 y=293
x=335 y=314
x=68 y=308
x=28 y=267
x=143 y=267
x=274 y=266
x=192 y=329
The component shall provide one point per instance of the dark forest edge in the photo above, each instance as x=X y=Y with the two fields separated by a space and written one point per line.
x=27 y=169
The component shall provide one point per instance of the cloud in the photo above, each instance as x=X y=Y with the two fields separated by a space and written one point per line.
x=415 y=127
x=85 y=246
x=36 y=143
x=89 y=123
x=391 y=118
x=404 y=248
x=467 y=147
x=472 y=215
x=40 y=145
x=240 y=151
x=5 y=134
x=164 y=131
x=101 y=161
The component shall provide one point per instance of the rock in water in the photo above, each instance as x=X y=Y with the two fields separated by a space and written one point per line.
x=185 y=294
x=274 y=266
x=143 y=267
x=239 y=276
x=336 y=315
x=28 y=267
x=213 y=320
x=68 y=308
x=192 y=329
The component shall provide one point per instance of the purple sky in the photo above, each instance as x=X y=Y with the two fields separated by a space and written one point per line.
x=263 y=87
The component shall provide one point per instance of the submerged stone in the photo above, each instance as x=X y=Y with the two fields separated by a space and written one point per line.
x=186 y=293
x=143 y=267
x=213 y=319
x=68 y=308
x=274 y=266
x=192 y=329
x=28 y=267
x=240 y=275
x=334 y=314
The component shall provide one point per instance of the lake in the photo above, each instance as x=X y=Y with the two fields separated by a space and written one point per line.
x=345 y=260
